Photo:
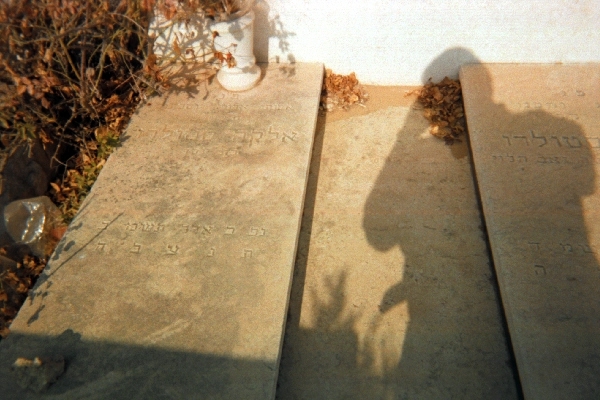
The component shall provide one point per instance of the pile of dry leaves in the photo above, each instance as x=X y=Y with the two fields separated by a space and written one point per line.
x=16 y=278
x=443 y=107
x=341 y=91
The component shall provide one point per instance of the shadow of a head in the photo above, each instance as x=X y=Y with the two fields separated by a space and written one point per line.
x=448 y=63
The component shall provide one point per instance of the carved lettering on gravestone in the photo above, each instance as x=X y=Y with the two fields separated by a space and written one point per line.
x=247 y=253
x=256 y=232
x=207 y=230
x=172 y=250
x=136 y=248
x=527 y=105
x=540 y=269
x=553 y=317
x=567 y=248
x=202 y=230
x=572 y=141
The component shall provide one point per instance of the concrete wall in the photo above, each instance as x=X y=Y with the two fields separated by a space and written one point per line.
x=395 y=42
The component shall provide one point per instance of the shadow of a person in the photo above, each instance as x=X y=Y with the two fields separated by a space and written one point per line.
x=535 y=171
x=424 y=203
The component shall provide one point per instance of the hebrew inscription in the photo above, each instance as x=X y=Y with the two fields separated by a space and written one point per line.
x=537 y=169
x=177 y=238
x=540 y=140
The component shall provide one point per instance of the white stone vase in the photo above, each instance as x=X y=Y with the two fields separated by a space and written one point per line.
x=237 y=37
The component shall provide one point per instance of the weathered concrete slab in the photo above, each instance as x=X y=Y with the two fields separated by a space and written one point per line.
x=392 y=295
x=173 y=280
x=535 y=137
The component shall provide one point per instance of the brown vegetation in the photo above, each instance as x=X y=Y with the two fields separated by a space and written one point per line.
x=443 y=107
x=341 y=91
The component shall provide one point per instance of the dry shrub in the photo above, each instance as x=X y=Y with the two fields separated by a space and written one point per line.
x=68 y=67
x=71 y=71
x=443 y=107
x=214 y=9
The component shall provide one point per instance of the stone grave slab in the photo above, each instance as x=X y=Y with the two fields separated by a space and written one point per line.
x=535 y=137
x=173 y=280
x=392 y=295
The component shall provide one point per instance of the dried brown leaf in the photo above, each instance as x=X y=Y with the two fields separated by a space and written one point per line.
x=442 y=106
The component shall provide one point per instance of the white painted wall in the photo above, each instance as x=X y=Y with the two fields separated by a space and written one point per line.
x=404 y=42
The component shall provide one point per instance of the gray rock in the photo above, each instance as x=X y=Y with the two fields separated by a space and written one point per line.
x=25 y=172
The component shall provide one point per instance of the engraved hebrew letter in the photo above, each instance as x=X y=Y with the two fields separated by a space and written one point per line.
x=510 y=158
x=533 y=137
x=100 y=246
x=557 y=141
x=507 y=139
x=147 y=227
x=104 y=225
x=131 y=227
x=208 y=136
x=567 y=248
x=136 y=248
x=247 y=253
x=172 y=250
x=289 y=136
x=522 y=159
x=574 y=139
x=239 y=136
x=258 y=135
x=535 y=245
x=523 y=137
x=152 y=133
x=230 y=230
x=249 y=137
x=273 y=133
x=540 y=270
x=585 y=248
